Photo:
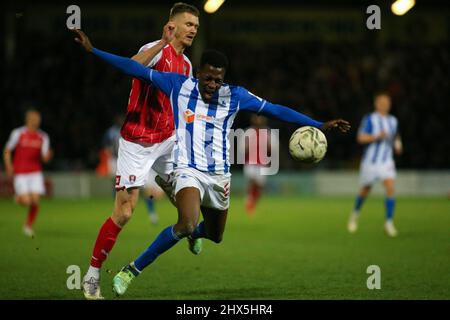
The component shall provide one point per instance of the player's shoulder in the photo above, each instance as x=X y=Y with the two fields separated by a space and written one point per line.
x=228 y=90
x=42 y=133
x=368 y=116
x=393 y=118
x=18 y=130
x=149 y=45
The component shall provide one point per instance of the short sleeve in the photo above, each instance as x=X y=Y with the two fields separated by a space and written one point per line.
x=45 y=144
x=156 y=58
x=366 y=125
x=13 y=140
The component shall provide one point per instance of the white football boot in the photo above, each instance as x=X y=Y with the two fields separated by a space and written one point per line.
x=390 y=229
x=352 y=225
x=91 y=288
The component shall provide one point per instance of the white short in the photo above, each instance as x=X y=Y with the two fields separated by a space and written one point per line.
x=253 y=172
x=151 y=183
x=370 y=173
x=26 y=183
x=135 y=161
x=214 y=188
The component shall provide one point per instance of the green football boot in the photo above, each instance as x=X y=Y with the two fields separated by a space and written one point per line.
x=122 y=280
x=195 y=245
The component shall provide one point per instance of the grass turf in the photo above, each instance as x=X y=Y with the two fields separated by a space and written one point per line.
x=293 y=248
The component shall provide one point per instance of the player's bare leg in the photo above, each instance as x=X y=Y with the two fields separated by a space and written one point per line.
x=212 y=228
x=215 y=222
x=389 y=185
x=31 y=201
x=352 y=225
x=253 y=194
x=188 y=204
x=124 y=205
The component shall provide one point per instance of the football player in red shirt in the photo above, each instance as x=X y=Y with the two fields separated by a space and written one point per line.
x=147 y=135
x=31 y=147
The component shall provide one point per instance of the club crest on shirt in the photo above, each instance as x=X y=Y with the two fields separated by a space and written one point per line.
x=132 y=178
x=189 y=116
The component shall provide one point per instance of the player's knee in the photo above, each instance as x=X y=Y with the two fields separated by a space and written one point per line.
x=24 y=200
x=185 y=229
x=122 y=215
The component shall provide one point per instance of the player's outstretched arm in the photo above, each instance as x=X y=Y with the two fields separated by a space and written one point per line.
x=253 y=103
x=125 y=65
x=161 y=80
x=146 y=56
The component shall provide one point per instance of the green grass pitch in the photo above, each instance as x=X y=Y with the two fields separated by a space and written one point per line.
x=293 y=248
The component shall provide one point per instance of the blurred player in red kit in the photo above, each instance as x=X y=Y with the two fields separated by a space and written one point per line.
x=147 y=135
x=31 y=147
x=255 y=159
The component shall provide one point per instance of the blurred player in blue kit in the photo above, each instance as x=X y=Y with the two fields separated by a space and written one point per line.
x=378 y=133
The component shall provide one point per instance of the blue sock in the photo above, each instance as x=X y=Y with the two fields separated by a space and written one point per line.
x=163 y=242
x=150 y=205
x=390 y=205
x=199 y=231
x=358 y=203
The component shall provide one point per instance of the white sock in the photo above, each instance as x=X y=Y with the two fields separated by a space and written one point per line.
x=93 y=273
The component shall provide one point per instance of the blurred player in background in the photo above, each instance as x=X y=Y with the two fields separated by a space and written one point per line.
x=152 y=192
x=204 y=111
x=379 y=134
x=147 y=135
x=31 y=147
x=258 y=134
x=110 y=148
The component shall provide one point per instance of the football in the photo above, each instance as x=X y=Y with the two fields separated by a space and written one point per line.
x=308 y=144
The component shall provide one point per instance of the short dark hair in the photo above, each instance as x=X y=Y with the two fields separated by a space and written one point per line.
x=181 y=7
x=214 y=58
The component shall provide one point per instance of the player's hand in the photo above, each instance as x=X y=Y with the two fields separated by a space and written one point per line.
x=383 y=135
x=82 y=39
x=168 y=32
x=342 y=125
x=48 y=156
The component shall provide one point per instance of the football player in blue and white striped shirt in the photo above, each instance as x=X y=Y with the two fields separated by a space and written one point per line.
x=379 y=134
x=204 y=109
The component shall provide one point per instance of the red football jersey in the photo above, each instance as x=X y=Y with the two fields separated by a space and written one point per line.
x=149 y=115
x=29 y=147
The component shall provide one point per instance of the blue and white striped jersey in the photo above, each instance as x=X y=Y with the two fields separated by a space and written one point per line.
x=202 y=129
x=379 y=152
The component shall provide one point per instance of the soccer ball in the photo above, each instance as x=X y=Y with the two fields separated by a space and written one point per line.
x=308 y=144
